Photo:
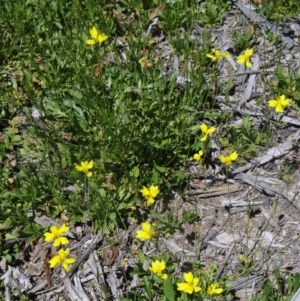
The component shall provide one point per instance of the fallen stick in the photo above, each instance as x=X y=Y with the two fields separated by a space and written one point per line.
x=90 y=249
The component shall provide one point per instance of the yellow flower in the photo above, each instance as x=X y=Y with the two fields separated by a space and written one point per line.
x=206 y=131
x=280 y=103
x=150 y=194
x=190 y=284
x=96 y=37
x=213 y=290
x=198 y=157
x=227 y=160
x=145 y=63
x=85 y=166
x=245 y=58
x=157 y=267
x=55 y=234
x=61 y=258
x=146 y=233
x=217 y=55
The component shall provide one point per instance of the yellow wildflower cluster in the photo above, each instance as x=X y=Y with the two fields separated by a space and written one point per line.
x=190 y=284
x=55 y=235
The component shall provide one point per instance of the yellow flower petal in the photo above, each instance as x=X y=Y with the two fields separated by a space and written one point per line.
x=233 y=156
x=241 y=59
x=153 y=191
x=223 y=159
x=188 y=277
x=248 y=64
x=211 y=130
x=102 y=37
x=63 y=253
x=60 y=241
x=197 y=289
x=146 y=226
x=145 y=191
x=204 y=138
x=249 y=52
x=63 y=229
x=203 y=127
x=94 y=33
x=70 y=260
x=149 y=201
x=284 y=101
x=185 y=287
x=48 y=236
x=54 y=261
x=195 y=281
x=90 y=42
x=272 y=103
x=67 y=262
x=214 y=58
x=78 y=168
x=90 y=164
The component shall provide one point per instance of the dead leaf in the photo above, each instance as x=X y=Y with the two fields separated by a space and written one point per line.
x=10 y=181
x=97 y=69
x=64 y=217
x=13 y=163
x=115 y=252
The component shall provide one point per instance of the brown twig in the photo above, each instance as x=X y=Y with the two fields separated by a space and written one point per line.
x=90 y=249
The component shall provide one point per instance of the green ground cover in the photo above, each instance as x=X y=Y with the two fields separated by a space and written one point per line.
x=111 y=131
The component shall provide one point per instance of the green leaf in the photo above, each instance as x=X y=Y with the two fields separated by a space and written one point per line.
x=169 y=289
x=76 y=94
x=161 y=169
x=8 y=258
x=141 y=256
x=123 y=206
x=113 y=216
x=147 y=287
x=136 y=171
x=102 y=193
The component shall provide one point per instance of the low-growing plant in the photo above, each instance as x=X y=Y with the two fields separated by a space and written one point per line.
x=244 y=138
x=280 y=289
x=213 y=11
x=243 y=40
x=277 y=10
